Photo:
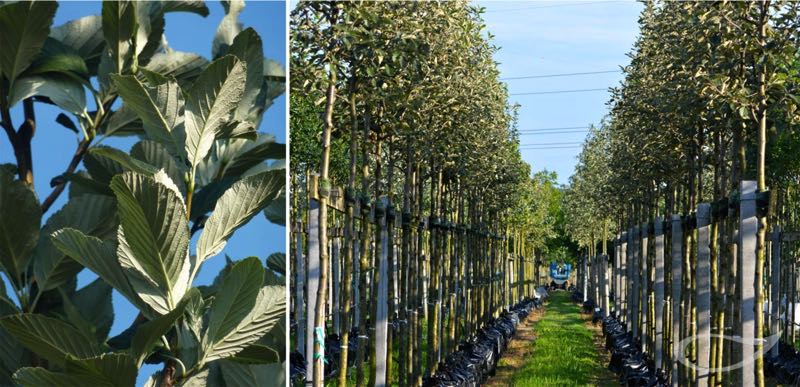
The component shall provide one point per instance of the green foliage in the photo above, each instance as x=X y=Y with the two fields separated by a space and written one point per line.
x=130 y=216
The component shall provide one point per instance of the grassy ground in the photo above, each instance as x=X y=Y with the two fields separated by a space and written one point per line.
x=564 y=353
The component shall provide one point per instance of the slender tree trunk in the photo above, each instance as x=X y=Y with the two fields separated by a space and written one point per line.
x=324 y=193
x=349 y=242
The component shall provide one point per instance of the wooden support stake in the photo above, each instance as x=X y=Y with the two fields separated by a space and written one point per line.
x=658 y=289
x=313 y=285
x=645 y=293
x=637 y=280
x=703 y=296
x=624 y=279
x=382 y=309
x=775 y=283
x=748 y=228
x=677 y=255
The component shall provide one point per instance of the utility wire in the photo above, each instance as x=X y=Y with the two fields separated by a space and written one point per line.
x=549 y=129
x=553 y=6
x=553 y=147
x=560 y=91
x=555 y=132
x=560 y=75
x=552 y=143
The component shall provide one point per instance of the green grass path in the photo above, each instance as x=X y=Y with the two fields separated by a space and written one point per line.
x=564 y=352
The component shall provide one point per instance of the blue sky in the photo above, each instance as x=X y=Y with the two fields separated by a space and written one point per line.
x=557 y=37
x=54 y=145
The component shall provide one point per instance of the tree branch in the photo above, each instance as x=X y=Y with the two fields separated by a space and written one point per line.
x=83 y=146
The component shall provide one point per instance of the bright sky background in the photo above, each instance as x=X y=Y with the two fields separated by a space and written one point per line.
x=557 y=37
x=53 y=145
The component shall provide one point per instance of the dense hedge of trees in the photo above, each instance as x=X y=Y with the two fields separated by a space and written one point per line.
x=709 y=100
x=399 y=105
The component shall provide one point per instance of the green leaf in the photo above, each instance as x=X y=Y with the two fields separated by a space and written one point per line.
x=11 y=357
x=268 y=310
x=64 y=91
x=185 y=67
x=25 y=26
x=57 y=57
x=158 y=156
x=257 y=354
x=110 y=369
x=248 y=47
x=236 y=207
x=228 y=28
x=19 y=225
x=158 y=107
x=149 y=333
x=150 y=22
x=101 y=169
x=276 y=211
x=107 y=370
x=210 y=104
x=277 y=262
x=200 y=379
x=191 y=6
x=124 y=160
x=93 y=301
x=40 y=377
x=259 y=153
x=237 y=374
x=99 y=257
x=82 y=184
x=75 y=318
x=84 y=35
x=50 y=338
x=123 y=122
x=234 y=299
x=11 y=352
x=119 y=26
x=66 y=122
x=92 y=215
x=154 y=232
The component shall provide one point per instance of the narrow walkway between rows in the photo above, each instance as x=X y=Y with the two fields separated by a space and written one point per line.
x=557 y=348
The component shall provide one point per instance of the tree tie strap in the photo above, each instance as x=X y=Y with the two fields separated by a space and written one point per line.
x=324 y=189
x=319 y=339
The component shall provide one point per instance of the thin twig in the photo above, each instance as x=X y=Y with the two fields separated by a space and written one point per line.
x=83 y=146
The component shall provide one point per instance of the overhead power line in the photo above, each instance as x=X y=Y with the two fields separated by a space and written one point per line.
x=553 y=147
x=548 y=129
x=560 y=75
x=553 y=6
x=551 y=143
x=560 y=91
x=554 y=132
